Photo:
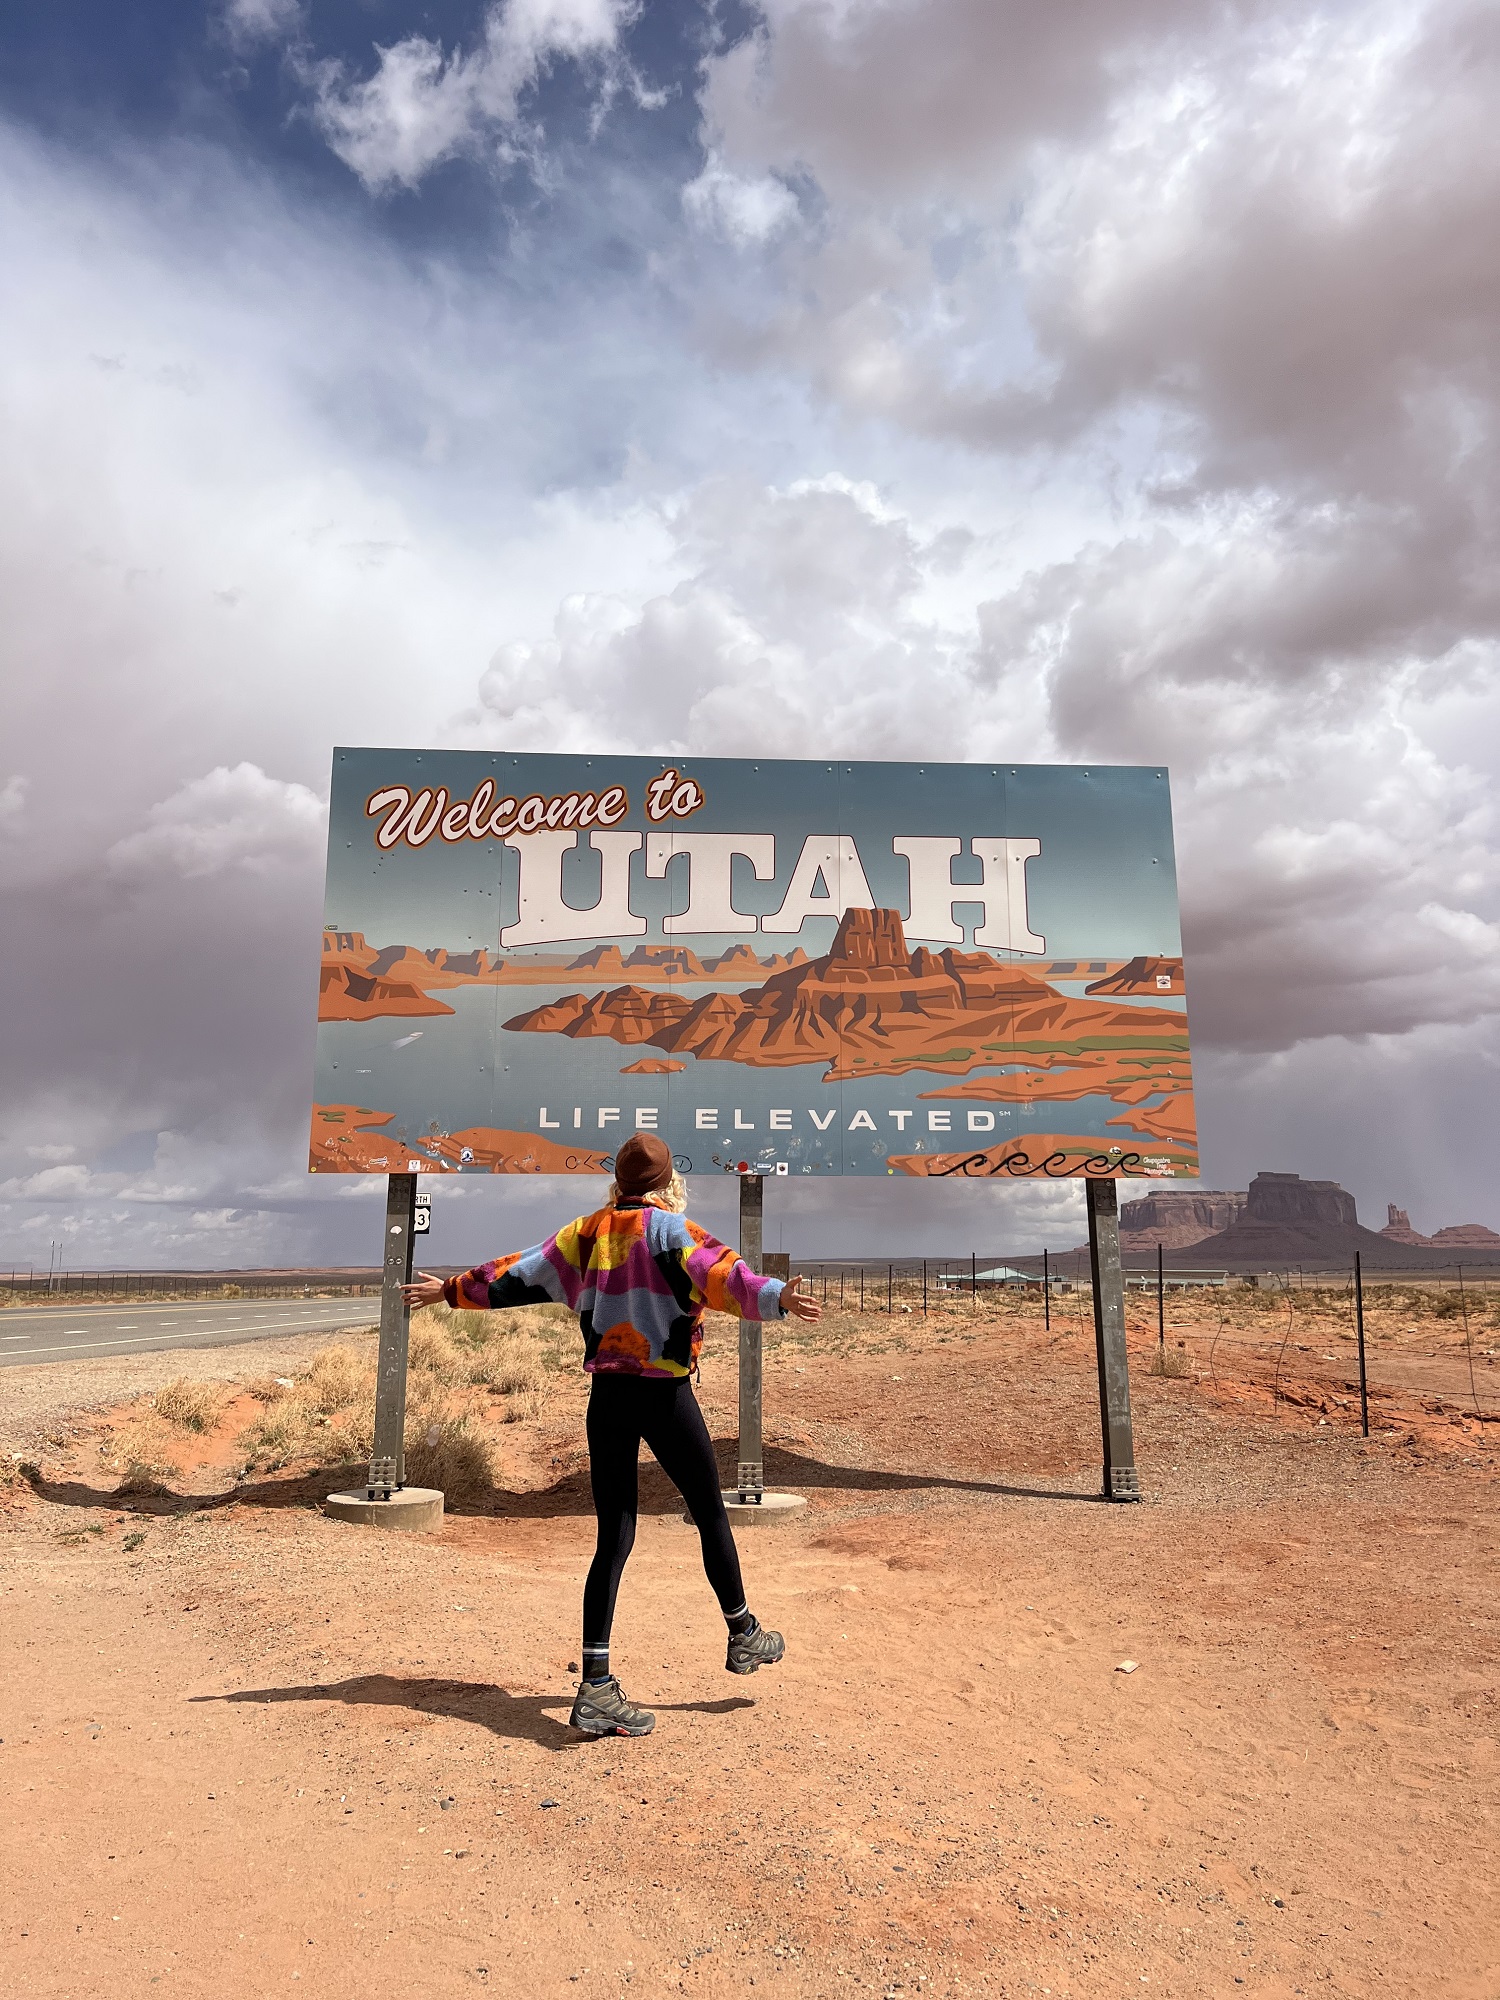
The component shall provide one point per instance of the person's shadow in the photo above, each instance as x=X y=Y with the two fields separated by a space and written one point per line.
x=529 y=1718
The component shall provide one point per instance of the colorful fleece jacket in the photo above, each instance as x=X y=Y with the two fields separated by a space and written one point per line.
x=638 y=1279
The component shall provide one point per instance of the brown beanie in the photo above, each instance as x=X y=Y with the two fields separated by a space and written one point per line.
x=642 y=1165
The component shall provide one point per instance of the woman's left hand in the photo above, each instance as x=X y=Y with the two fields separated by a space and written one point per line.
x=796 y=1303
x=426 y=1291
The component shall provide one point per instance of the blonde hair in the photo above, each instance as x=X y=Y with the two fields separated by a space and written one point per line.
x=672 y=1197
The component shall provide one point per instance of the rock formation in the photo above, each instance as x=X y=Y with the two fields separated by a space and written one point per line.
x=676 y=960
x=347 y=994
x=1289 y=1223
x=1457 y=1236
x=1176 y=1217
x=1143 y=975
x=872 y=1007
x=349 y=1139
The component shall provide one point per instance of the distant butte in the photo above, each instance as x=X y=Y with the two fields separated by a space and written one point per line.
x=360 y=982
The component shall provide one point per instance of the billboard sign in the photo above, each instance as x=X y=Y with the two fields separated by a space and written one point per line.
x=952 y=971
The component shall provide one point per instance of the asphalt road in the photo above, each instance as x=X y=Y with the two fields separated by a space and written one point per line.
x=73 y=1333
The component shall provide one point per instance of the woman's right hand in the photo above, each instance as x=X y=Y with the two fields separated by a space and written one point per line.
x=426 y=1291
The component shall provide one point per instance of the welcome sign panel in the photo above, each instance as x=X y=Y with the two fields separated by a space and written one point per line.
x=945 y=970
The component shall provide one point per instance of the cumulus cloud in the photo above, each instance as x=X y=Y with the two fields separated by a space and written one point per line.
x=249 y=23
x=797 y=625
x=742 y=209
x=424 y=104
x=235 y=818
x=12 y=803
x=1116 y=382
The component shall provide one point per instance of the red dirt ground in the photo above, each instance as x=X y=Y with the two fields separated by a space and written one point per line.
x=258 y=1749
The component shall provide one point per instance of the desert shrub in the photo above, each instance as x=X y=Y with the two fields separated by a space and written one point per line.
x=338 y=1378
x=431 y=1351
x=444 y=1449
x=193 y=1406
x=281 y=1435
x=264 y=1388
x=517 y=1369
x=146 y=1478
x=326 y=1416
x=473 y=1328
x=1170 y=1362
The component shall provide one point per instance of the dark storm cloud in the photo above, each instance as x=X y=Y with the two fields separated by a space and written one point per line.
x=1117 y=381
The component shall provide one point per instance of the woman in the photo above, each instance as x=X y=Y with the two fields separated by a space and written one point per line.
x=639 y=1276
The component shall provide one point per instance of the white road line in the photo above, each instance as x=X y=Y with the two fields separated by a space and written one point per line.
x=256 y=1307
x=94 y=1346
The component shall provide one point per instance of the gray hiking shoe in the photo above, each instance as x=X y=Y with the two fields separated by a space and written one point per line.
x=600 y=1709
x=753 y=1649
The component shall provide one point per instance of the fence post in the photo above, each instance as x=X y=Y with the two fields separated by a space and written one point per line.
x=1161 y=1314
x=924 y=1287
x=1046 y=1291
x=1359 y=1334
x=974 y=1273
x=1120 y=1479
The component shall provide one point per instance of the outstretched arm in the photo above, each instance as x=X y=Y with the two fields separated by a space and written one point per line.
x=725 y=1282
x=548 y=1274
x=797 y=1303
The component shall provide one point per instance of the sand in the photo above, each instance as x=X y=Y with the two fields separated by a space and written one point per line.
x=254 y=1749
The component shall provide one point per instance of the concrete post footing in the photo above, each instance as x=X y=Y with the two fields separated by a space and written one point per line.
x=417 y=1510
x=769 y=1512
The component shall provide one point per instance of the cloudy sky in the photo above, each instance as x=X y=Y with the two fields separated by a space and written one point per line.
x=903 y=378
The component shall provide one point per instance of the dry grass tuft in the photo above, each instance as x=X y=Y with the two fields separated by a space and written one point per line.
x=147 y=1479
x=430 y=1351
x=445 y=1449
x=192 y=1406
x=518 y=1374
x=338 y=1379
x=1170 y=1362
x=458 y=1363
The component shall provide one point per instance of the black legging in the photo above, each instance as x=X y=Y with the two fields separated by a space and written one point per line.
x=624 y=1409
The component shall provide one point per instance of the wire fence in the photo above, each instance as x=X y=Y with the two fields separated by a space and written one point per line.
x=863 y=1284
x=1397 y=1354
x=33 y=1287
x=866 y=1284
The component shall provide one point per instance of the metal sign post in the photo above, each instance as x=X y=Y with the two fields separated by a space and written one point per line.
x=388 y=1459
x=751 y=1480
x=1120 y=1481
x=1359 y=1334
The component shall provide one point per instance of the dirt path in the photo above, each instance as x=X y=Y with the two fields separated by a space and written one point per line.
x=256 y=1750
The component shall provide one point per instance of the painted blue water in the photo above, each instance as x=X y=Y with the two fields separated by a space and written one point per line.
x=442 y=1074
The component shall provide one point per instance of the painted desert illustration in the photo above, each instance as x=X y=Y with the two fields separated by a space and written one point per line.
x=348 y=1139
x=873 y=1007
x=969 y=1029
x=362 y=982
